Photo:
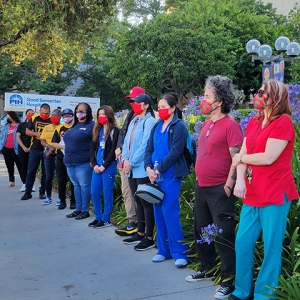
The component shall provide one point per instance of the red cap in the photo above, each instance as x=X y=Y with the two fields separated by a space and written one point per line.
x=135 y=91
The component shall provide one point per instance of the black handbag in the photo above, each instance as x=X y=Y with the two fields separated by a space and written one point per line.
x=151 y=193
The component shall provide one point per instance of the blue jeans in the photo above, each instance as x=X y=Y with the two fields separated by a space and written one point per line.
x=35 y=157
x=104 y=182
x=49 y=163
x=81 y=176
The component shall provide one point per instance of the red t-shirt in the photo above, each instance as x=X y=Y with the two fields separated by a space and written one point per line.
x=10 y=137
x=213 y=158
x=270 y=182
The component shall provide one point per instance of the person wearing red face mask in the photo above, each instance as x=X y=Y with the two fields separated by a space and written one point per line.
x=34 y=129
x=133 y=158
x=24 y=148
x=50 y=152
x=130 y=206
x=61 y=169
x=166 y=145
x=103 y=160
x=220 y=139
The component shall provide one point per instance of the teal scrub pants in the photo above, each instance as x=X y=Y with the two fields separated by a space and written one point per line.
x=271 y=221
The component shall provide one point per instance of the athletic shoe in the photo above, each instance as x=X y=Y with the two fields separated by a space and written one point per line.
x=72 y=205
x=23 y=188
x=128 y=229
x=47 y=201
x=73 y=214
x=102 y=224
x=57 y=202
x=83 y=215
x=145 y=244
x=33 y=189
x=93 y=223
x=199 y=276
x=26 y=196
x=135 y=239
x=223 y=292
x=181 y=263
x=62 y=205
x=158 y=258
x=42 y=195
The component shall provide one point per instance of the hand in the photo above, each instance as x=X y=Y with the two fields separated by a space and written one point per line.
x=236 y=159
x=127 y=166
x=101 y=169
x=118 y=153
x=240 y=189
x=38 y=135
x=151 y=174
x=227 y=191
x=25 y=149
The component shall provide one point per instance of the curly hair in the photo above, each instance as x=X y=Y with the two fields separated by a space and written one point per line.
x=111 y=121
x=14 y=116
x=223 y=91
x=172 y=100
x=278 y=95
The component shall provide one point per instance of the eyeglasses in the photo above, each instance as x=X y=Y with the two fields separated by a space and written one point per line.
x=209 y=129
x=260 y=92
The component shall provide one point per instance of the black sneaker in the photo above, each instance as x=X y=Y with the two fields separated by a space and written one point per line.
x=83 y=215
x=199 y=276
x=74 y=214
x=102 y=224
x=42 y=195
x=72 y=205
x=128 y=229
x=93 y=223
x=62 y=205
x=26 y=196
x=145 y=244
x=223 y=292
x=135 y=239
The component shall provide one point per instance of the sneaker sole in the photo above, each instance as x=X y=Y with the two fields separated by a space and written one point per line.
x=150 y=247
x=47 y=203
x=132 y=243
x=27 y=198
x=200 y=279
x=125 y=232
x=104 y=226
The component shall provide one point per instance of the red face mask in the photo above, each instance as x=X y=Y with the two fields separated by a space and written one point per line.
x=206 y=107
x=44 y=117
x=54 y=119
x=102 y=120
x=29 y=116
x=259 y=102
x=164 y=114
x=136 y=107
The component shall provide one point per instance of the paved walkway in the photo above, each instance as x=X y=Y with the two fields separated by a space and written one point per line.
x=46 y=256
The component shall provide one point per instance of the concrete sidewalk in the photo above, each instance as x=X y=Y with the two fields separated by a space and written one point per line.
x=44 y=255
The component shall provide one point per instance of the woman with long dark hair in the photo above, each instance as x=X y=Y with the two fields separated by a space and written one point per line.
x=9 y=145
x=133 y=158
x=165 y=146
x=103 y=160
x=77 y=158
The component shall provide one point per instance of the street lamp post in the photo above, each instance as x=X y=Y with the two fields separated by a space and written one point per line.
x=264 y=52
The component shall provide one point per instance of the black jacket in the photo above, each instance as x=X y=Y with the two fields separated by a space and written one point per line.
x=109 y=150
x=124 y=129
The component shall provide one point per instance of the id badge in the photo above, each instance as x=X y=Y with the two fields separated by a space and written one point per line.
x=102 y=144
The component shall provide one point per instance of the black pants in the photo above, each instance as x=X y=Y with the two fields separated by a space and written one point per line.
x=11 y=158
x=24 y=157
x=144 y=209
x=213 y=206
x=63 y=178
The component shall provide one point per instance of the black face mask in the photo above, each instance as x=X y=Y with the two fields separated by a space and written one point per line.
x=9 y=121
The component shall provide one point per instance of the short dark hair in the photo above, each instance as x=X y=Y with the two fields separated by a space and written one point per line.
x=223 y=91
x=45 y=106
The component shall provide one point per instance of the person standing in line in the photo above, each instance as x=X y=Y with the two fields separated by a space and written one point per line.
x=220 y=139
x=77 y=159
x=9 y=145
x=135 y=143
x=50 y=152
x=103 y=160
x=61 y=169
x=166 y=145
x=129 y=202
x=24 y=142
x=34 y=129
x=267 y=190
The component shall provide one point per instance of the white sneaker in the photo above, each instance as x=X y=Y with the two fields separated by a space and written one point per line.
x=33 y=189
x=57 y=202
x=23 y=188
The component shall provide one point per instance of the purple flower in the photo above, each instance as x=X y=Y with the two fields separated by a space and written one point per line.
x=209 y=233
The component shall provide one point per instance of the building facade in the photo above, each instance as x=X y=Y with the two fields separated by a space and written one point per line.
x=283 y=6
